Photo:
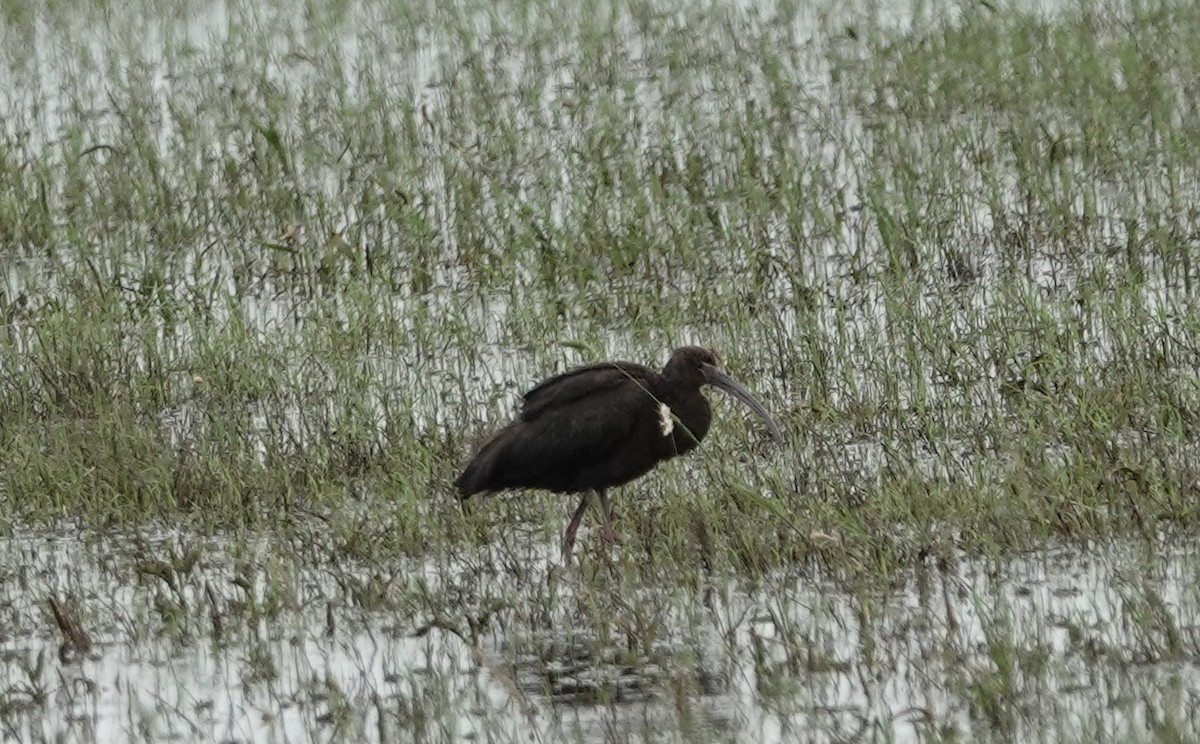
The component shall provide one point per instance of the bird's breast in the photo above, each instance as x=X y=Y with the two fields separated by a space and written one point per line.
x=683 y=424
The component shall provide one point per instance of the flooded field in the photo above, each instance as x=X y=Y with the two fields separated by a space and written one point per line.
x=1045 y=646
x=271 y=272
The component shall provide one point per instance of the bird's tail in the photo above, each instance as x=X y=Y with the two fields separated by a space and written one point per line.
x=468 y=483
x=478 y=476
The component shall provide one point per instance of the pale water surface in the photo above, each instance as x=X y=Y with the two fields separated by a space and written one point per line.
x=1102 y=638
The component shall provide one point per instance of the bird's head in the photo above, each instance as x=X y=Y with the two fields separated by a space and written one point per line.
x=696 y=366
x=687 y=365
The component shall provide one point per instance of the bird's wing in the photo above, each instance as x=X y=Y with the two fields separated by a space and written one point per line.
x=569 y=425
x=581 y=384
x=574 y=435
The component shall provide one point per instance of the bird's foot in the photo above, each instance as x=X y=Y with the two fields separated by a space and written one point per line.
x=609 y=536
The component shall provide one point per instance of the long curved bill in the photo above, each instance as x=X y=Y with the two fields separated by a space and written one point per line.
x=715 y=377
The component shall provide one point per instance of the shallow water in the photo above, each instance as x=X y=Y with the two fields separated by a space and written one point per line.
x=219 y=638
x=1045 y=647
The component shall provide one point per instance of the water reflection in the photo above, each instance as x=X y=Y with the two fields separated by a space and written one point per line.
x=1042 y=647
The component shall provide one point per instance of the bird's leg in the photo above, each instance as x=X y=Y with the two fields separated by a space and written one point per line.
x=568 y=540
x=609 y=535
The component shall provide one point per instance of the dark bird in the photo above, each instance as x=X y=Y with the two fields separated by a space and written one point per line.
x=600 y=426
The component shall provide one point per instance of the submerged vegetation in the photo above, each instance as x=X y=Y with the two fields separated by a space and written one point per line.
x=269 y=271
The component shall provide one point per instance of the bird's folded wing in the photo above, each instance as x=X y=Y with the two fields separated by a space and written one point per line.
x=579 y=386
x=583 y=432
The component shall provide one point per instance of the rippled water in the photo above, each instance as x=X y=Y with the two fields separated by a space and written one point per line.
x=235 y=638
x=1069 y=641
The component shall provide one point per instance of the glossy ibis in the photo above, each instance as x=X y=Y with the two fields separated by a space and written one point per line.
x=600 y=426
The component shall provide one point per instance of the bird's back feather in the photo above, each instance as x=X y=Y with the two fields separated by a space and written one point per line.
x=579 y=383
x=570 y=428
